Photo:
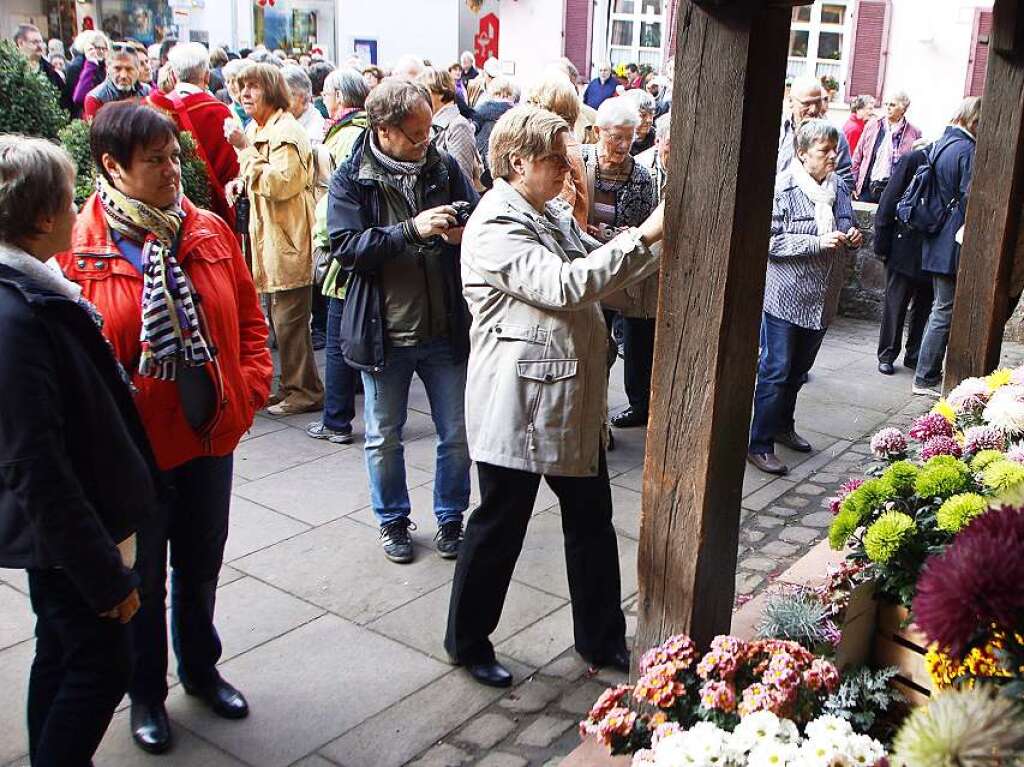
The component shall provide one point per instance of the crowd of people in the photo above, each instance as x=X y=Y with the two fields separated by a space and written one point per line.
x=499 y=240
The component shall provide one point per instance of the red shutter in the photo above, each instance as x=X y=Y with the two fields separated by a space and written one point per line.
x=577 y=34
x=866 y=73
x=977 y=64
x=669 y=32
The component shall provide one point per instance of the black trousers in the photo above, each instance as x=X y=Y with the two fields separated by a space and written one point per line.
x=319 y=310
x=193 y=521
x=80 y=673
x=494 y=538
x=639 y=358
x=903 y=292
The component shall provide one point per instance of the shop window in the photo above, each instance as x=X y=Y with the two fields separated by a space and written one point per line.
x=147 y=21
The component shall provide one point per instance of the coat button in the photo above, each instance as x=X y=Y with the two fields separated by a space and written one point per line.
x=549 y=378
x=497 y=329
x=100 y=264
x=81 y=263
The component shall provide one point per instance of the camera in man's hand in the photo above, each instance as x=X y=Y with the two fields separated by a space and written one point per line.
x=463 y=210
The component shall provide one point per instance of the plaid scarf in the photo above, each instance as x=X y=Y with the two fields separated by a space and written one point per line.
x=170 y=323
x=405 y=174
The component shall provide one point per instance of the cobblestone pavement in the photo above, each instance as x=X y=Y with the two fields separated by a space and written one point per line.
x=340 y=651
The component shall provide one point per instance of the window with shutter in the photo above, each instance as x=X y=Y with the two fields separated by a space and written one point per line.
x=870 y=48
x=977 y=64
x=578 y=27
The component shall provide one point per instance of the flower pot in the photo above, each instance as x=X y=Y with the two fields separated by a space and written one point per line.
x=900 y=645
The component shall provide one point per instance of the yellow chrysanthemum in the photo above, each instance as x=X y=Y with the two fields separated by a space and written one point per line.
x=944 y=409
x=998 y=378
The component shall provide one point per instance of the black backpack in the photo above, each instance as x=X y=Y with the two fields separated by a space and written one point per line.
x=922 y=207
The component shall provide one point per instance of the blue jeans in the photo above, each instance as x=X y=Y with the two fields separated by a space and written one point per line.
x=936 y=334
x=787 y=354
x=339 y=378
x=385 y=407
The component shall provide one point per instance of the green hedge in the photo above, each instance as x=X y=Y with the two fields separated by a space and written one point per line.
x=29 y=104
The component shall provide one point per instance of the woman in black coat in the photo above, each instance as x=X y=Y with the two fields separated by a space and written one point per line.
x=75 y=467
x=906 y=287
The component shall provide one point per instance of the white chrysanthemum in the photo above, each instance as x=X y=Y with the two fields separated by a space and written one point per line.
x=818 y=752
x=968 y=394
x=828 y=727
x=672 y=750
x=771 y=753
x=1005 y=410
x=756 y=728
x=706 y=740
x=644 y=758
x=862 y=749
x=788 y=732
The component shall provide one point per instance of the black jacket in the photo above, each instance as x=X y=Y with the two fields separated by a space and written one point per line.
x=895 y=243
x=76 y=472
x=53 y=76
x=487 y=115
x=71 y=75
x=362 y=244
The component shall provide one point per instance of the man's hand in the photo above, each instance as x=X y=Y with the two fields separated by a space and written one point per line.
x=832 y=240
x=124 y=611
x=854 y=237
x=453 y=236
x=435 y=221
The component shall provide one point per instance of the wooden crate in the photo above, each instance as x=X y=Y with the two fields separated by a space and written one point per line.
x=900 y=645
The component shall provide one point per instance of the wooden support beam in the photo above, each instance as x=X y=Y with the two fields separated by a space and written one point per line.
x=993 y=210
x=730 y=67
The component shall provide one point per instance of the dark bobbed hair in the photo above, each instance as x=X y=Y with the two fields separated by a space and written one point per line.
x=121 y=127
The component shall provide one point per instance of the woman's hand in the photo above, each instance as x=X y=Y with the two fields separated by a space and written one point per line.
x=233 y=190
x=435 y=221
x=653 y=229
x=94 y=54
x=854 y=237
x=832 y=240
x=234 y=134
x=124 y=611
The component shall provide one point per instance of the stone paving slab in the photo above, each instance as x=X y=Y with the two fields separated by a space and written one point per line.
x=16 y=620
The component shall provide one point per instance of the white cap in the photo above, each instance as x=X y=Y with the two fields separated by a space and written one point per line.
x=492 y=67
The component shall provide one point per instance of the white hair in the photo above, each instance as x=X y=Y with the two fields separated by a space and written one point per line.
x=643 y=100
x=467 y=55
x=232 y=68
x=190 y=62
x=348 y=83
x=805 y=83
x=87 y=38
x=298 y=81
x=614 y=113
x=408 y=66
x=901 y=97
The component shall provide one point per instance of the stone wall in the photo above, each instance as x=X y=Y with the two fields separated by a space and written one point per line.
x=864 y=291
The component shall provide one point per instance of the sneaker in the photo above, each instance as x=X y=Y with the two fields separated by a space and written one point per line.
x=317 y=430
x=394 y=538
x=449 y=539
x=926 y=391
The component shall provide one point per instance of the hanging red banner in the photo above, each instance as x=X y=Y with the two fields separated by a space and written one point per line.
x=485 y=43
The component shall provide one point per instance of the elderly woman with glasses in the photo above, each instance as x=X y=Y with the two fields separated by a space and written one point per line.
x=884 y=141
x=182 y=316
x=647 y=107
x=278 y=175
x=87 y=70
x=536 y=395
x=813 y=227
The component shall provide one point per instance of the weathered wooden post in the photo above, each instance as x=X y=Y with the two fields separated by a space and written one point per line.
x=994 y=207
x=730 y=67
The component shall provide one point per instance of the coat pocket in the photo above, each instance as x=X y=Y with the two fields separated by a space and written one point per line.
x=534 y=334
x=552 y=393
x=547 y=371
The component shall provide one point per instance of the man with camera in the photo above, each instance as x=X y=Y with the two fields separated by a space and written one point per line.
x=395 y=223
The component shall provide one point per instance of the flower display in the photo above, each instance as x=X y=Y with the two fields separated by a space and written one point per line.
x=969 y=396
x=889 y=443
x=940 y=480
x=660 y=687
x=978 y=438
x=981 y=663
x=900 y=476
x=844 y=490
x=887 y=534
x=1005 y=410
x=1002 y=476
x=984 y=458
x=997 y=379
x=940 y=446
x=1016 y=454
x=930 y=426
x=955 y=512
x=678 y=649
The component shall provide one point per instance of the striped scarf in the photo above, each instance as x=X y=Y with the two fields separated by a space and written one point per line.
x=405 y=174
x=170 y=323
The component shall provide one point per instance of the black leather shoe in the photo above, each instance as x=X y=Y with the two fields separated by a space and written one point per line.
x=629 y=418
x=793 y=441
x=617 y=661
x=768 y=463
x=492 y=674
x=151 y=729
x=886 y=368
x=223 y=699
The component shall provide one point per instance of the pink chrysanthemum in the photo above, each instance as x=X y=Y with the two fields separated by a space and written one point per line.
x=940 y=446
x=719 y=696
x=978 y=438
x=844 y=490
x=1015 y=454
x=969 y=395
x=678 y=649
x=977 y=582
x=889 y=443
x=930 y=426
x=618 y=723
x=821 y=675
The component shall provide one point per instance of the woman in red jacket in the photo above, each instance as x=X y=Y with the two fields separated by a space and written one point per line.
x=182 y=315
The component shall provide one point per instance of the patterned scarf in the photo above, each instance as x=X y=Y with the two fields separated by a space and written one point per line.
x=344 y=118
x=405 y=174
x=170 y=323
x=822 y=196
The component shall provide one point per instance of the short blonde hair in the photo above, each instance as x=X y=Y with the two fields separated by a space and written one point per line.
x=502 y=87
x=269 y=80
x=527 y=131
x=438 y=81
x=556 y=94
x=89 y=37
x=36 y=177
x=968 y=112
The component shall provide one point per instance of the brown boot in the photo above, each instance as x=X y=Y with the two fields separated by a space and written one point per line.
x=768 y=463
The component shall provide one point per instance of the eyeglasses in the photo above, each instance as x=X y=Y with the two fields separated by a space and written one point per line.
x=556 y=159
x=410 y=138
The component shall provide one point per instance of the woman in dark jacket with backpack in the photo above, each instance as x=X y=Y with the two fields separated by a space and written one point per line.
x=898 y=246
x=67 y=429
x=953 y=158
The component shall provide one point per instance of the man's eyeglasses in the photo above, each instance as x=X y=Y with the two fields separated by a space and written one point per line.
x=411 y=140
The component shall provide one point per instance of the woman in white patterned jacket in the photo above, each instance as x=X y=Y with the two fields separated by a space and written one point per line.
x=813 y=227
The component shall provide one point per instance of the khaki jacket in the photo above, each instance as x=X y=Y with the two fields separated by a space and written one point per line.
x=280 y=177
x=536 y=395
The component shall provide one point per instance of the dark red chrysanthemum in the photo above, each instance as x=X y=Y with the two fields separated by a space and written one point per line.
x=978 y=581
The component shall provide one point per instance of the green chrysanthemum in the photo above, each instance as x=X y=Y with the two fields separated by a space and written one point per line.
x=981 y=461
x=868 y=497
x=842 y=528
x=901 y=476
x=946 y=460
x=941 y=480
x=887 y=534
x=955 y=513
x=1000 y=476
